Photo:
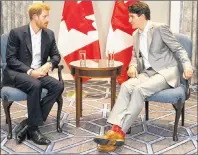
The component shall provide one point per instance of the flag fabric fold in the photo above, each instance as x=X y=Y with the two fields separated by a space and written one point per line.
x=119 y=38
x=78 y=31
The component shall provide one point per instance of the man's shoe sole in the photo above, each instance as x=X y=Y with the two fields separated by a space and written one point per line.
x=105 y=150
x=102 y=141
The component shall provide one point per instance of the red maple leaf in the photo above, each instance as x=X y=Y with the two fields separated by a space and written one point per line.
x=120 y=18
x=74 y=14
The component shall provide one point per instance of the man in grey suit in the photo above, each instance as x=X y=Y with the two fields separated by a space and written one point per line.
x=158 y=48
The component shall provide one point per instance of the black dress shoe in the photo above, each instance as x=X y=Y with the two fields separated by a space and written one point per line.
x=20 y=132
x=38 y=138
x=21 y=126
x=21 y=135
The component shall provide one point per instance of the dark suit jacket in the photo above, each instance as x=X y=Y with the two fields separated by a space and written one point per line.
x=19 y=52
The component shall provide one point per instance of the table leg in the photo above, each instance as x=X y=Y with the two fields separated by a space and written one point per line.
x=78 y=83
x=113 y=91
x=80 y=97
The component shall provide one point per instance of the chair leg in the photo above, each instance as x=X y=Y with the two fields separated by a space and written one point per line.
x=183 y=115
x=147 y=110
x=178 y=108
x=60 y=105
x=6 y=106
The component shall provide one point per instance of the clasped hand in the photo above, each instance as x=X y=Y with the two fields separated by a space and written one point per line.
x=42 y=71
x=132 y=72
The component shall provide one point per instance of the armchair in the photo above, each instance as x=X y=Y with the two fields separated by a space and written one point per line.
x=175 y=96
x=11 y=94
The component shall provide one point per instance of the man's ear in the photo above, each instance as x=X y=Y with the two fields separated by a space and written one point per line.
x=34 y=16
x=143 y=16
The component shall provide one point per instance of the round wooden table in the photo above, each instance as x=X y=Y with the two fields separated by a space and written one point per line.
x=94 y=68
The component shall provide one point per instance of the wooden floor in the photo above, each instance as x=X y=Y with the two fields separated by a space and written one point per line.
x=148 y=137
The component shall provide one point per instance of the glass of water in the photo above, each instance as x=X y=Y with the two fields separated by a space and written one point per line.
x=110 y=58
x=82 y=55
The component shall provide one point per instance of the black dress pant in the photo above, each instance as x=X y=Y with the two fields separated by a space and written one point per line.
x=38 y=109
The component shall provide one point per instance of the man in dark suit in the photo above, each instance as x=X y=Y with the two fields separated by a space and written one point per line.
x=27 y=69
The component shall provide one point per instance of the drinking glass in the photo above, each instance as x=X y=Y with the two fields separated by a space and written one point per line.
x=110 y=58
x=82 y=55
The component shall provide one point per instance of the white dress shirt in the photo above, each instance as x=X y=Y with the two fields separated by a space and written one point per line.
x=143 y=45
x=36 y=48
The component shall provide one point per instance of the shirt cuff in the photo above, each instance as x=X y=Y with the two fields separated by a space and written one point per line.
x=29 y=71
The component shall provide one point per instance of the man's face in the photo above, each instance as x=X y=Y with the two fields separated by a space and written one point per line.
x=42 y=20
x=135 y=20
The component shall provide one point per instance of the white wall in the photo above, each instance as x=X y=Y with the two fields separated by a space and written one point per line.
x=159 y=11
x=55 y=15
x=175 y=16
x=103 y=12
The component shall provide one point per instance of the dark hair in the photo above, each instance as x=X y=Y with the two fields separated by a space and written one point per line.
x=140 y=8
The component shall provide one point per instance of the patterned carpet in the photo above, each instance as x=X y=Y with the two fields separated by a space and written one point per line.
x=147 y=137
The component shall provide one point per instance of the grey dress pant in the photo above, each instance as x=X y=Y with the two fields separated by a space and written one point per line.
x=131 y=97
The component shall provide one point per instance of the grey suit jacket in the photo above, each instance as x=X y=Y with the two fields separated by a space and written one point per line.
x=163 y=48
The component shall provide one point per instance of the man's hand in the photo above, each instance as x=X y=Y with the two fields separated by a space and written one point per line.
x=37 y=74
x=132 y=72
x=187 y=74
x=45 y=68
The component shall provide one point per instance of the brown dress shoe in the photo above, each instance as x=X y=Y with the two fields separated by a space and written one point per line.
x=110 y=138
x=106 y=148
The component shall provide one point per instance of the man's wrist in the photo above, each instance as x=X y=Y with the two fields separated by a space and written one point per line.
x=30 y=71
x=50 y=64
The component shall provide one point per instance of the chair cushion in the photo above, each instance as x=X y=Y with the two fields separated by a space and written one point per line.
x=169 y=95
x=14 y=94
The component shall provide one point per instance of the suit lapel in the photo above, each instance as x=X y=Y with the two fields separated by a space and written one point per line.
x=137 y=44
x=28 y=38
x=28 y=41
x=43 y=43
x=149 y=36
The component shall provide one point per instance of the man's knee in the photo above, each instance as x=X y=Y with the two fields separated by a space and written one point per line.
x=127 y=87
x=36 y=84
x=137 y=88
x=60 y=86
x=124 y=87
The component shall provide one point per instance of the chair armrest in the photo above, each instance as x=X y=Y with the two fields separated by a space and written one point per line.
x=59 y=67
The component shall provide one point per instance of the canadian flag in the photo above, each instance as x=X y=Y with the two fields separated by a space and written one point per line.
x=78 y=31
x=119 y=37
